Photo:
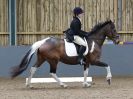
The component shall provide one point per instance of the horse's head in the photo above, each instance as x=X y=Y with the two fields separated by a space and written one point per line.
x=111 y=32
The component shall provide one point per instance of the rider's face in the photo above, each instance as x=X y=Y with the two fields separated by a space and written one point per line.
x=81 y=15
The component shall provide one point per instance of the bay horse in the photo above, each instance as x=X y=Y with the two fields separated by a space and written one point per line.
x=52 y=50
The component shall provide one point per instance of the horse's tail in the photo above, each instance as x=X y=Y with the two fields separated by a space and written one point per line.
x=17 y=70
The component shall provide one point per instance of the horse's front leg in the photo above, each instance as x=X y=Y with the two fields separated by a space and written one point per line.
x=109 y=74
x=85 y=83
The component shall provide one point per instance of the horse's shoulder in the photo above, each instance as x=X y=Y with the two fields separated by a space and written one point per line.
x=97 y=48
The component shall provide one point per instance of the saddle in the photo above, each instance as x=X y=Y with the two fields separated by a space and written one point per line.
x=72 y=48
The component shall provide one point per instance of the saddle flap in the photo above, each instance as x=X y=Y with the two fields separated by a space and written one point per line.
x=71 y=50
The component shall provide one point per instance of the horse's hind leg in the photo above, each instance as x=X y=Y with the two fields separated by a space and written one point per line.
x=53 y=67
x=32 y=72
x=33 y=69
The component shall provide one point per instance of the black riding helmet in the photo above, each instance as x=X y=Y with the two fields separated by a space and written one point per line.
x=77 y=11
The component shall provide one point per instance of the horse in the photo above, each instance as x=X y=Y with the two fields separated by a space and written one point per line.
x=52 y=50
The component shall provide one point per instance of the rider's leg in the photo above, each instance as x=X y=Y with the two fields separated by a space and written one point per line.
x=78 y=40
x=81 y=56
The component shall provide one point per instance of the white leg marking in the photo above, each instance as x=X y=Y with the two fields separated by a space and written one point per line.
x=85 y=74
x=85 y=83
x=109 y=75
x=58 y=80
x=32 y=72
x=92 y=47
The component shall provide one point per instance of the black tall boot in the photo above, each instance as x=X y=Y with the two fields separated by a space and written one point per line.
x=81 y=57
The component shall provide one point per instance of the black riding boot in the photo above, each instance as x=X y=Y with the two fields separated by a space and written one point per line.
x=81 y=57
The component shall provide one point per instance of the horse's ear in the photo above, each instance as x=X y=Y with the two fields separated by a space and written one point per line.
x=110 y=21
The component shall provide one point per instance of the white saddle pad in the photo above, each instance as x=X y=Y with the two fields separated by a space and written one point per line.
x=71 y=49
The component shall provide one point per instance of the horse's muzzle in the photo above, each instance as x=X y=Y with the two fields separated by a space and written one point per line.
x=117 y=41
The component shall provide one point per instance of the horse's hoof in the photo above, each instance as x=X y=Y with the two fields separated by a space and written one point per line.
x=109 y=81
x=86 y=85
x=64 y=85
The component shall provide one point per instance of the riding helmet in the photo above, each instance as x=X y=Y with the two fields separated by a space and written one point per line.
x=78 y=10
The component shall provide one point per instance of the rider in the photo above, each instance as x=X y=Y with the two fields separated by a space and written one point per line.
x=76 y=35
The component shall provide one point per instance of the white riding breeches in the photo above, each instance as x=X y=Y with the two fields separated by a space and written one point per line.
x=78 y=40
